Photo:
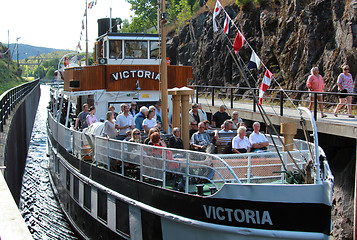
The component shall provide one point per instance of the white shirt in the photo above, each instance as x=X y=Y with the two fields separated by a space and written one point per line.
x=239 y=143
x=222 y=131
x=122 y=121
x=257 y=138
x=150 y=123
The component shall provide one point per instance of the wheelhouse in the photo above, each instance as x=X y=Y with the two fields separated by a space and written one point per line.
x=127 y=48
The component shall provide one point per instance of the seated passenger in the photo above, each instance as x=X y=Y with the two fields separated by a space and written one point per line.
x=226 y=128
x=258 y=140
x=140 y=117
x=236 y=120
x=196 y=114
x=175 y=141
x=150 y=121
x=135 y=136
x=207 y=126
x=127 y=135
x=156 y=140
x=201 y=141
x=151 y=131
x=240 y=143
x=193 y=128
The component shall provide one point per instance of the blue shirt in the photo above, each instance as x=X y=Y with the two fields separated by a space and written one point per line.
x=138 y=119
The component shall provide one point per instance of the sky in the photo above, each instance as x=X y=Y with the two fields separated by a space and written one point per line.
x=55 y=24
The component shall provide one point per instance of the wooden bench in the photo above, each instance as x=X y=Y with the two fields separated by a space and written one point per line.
x=224 y=143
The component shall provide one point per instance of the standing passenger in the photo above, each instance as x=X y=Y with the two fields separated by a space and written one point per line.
x=345 y=85
x=112 y=108
x=133 y=110
x=140 y=117
x=81 y=121
x=109 y=130
x=91 y=117
x=315 y=83
x=219 y=117
x=124 y=122
x=150 y=121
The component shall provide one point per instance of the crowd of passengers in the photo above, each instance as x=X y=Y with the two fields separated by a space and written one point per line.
x=130 y=124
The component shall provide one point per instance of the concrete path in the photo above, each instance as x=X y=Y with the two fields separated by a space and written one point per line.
x=12 y=225
x=341 y=125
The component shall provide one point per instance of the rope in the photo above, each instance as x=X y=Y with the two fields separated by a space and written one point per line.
x=245 y=67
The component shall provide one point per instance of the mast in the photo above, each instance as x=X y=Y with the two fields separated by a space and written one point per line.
x=163 y=19
x=87 y=33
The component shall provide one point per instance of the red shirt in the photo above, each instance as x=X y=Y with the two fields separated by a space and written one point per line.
x=315 y=84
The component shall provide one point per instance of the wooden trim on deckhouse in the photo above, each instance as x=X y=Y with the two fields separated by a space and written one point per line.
x=123 y=77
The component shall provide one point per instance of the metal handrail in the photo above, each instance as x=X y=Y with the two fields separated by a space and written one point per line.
x=230 y=92
x=103 y=158
x=10 y=98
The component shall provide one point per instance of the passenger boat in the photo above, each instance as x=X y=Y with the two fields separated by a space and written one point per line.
x=111 y=189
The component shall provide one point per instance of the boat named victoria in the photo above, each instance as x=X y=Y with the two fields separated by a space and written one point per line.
x=111 y=189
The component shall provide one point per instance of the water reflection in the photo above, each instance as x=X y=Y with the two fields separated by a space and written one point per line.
x=38 y=204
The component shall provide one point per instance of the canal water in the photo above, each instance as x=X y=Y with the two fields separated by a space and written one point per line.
x=38 y=204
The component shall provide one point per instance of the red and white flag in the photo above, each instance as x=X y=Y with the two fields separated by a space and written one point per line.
x=216 y=11
x=238 y=42
x=226 y=24
x=264 y=85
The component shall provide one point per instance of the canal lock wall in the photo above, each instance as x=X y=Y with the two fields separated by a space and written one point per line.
x=16 y=139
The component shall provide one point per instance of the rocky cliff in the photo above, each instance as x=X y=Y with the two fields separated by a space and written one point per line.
x=290 y=36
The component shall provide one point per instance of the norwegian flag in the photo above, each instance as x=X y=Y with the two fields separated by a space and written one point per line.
x=226 y=24
x=264 y=85
x=217 y=10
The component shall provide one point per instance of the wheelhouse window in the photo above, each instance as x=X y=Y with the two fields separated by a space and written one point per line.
x=154 y=49
x=115 y=49
x=136 y=49
x=105 y=49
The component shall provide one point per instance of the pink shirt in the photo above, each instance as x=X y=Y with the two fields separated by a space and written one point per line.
x=91 y=120
x=346 y=82
x=315 y=84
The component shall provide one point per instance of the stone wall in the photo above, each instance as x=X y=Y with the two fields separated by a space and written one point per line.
x=18 y=140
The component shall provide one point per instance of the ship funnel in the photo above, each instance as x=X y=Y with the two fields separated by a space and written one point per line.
x=104 y=25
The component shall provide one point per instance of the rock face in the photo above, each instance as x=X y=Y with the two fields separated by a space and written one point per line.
x=290 y=37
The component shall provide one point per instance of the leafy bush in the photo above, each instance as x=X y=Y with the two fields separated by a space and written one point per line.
x=244 y=3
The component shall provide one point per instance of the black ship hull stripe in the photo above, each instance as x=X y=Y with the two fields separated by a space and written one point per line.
x=304 y=217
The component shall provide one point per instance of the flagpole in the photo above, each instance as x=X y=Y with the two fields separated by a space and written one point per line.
x=163 y=78
x=87 y=34
x=265 y=116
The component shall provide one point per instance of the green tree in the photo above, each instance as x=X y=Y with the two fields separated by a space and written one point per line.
x=145 y=19
x=42 y=72
x=50 y=73
x=146 y=15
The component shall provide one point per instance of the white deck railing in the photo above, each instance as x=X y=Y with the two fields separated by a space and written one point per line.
x=179 y=169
